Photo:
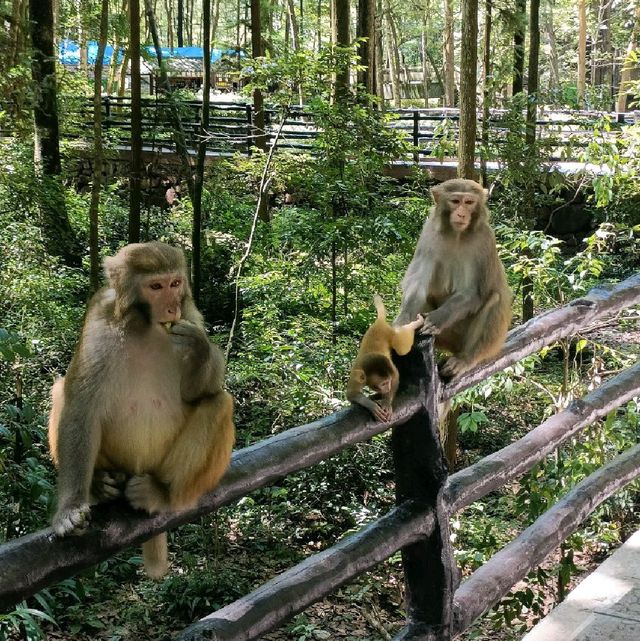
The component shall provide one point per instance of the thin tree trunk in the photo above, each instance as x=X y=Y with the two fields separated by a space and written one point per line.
x=180 y=26
x=392 y=52
x=58 y=235
x=215 y=19
x=124 y=67
x=98 y=154
x=629 y=64
x=379 y=53
x=113 y=66
x=196 y=232
x=448 y=56
x=468 y=84
x=257 y=51
x=582 y=51
x=178 y=130
x=319 y=24
x=426 y=78
x=532 y=114
x=554 y=65
x=486 y=91
x=342 y=18
x=135 y=196
x=518 y=48
x=366 y=33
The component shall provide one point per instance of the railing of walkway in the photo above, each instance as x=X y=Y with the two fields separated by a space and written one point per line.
x=432 y=132
x=437 y=608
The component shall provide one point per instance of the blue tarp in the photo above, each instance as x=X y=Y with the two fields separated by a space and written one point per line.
x=69 y=53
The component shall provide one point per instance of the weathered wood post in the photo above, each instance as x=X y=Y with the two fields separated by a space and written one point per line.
x=416 y=136
x=249 y=114
x=421 y=471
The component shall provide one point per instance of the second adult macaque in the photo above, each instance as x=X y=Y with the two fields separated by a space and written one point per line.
x=142 y=409
x=373 y=366
x=457 y=280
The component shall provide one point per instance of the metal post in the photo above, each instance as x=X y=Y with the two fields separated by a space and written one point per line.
x=249 y=128
x=416 y=134
x=421 y=471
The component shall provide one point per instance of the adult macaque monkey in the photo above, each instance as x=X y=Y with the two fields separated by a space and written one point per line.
x=373 y=365
x=457 y=280
x=142 y=409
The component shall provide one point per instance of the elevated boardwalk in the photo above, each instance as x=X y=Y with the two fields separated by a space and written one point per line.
x=604 y=607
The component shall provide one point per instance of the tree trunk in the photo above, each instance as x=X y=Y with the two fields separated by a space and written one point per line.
x=180 y=29
x=135 y=195
x=113 y=66
x=629 y=64
x=517 y=85
x=582 y=51
x=58 y=235
x=178 y=130
x=468 y=84
x=532 y=114
x=98 y=155
x=379 y=53
x=448 y=57
x=168 y=8
x=342 y=18
x=486 y=91
x=257 y=51
x=392 y=52
x=601 y=72
x=424 y=52
x=196 y=232
x=366 y=30
x=215 y=19
x=554 y=65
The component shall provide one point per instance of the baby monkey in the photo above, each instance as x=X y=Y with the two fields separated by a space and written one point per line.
x=373 y=365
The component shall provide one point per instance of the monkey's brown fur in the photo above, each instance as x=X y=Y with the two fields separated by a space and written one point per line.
x=457 y=280
x=373 y=365
x=141 y=409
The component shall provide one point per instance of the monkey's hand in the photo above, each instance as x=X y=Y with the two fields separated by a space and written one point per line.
x=107 y=486
x=417 y=323
x=429 y=326
x=145 y=493
x=189 y=338
x=71 y=520
x=379 y=413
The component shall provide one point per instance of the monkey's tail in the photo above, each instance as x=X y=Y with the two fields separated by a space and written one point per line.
x=379 y=304
x=156 y=557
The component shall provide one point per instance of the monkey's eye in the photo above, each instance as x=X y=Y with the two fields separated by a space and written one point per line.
x=176 y=283
x=470 y=201
x=455 y=201
x=155 y=285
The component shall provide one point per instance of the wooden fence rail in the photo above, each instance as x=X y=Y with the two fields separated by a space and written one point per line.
x=426 y=498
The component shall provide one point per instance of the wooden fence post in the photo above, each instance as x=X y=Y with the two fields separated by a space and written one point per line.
x=421 y=471
x=416 y=136
x=250 y=143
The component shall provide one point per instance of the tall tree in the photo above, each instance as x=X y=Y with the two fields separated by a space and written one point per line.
x=424 y=52
x=196 y=232
x=97 y=149
x=393 y=51
x=448 y=56
x=582 y=51
x=629 y=63
x=58 y=235
x=366 y=33
x=135 y=196
x=257 y=50
x=486 y=88
x=180 y=30
x=519 y=33
x=342 y=17
x=468 y=85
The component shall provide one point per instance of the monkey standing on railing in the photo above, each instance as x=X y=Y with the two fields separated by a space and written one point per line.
x=142 y=409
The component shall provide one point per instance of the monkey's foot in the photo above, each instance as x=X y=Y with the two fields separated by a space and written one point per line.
x=145 y=493
x=107 y=486
x=453 y=367
x=73 y=520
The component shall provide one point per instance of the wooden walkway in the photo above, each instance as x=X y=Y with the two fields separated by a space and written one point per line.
x=604 y=607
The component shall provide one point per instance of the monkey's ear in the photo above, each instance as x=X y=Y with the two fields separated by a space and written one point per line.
x=436 y=192
x=358 y=374
x=112 y=269
x=485 y=195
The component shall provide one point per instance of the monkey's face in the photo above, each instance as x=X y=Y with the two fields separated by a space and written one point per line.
x=163 y=293
x=462 y=208
x=377 y=383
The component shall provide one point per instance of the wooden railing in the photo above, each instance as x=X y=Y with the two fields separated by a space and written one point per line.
x=437 y=608
x=433 y=133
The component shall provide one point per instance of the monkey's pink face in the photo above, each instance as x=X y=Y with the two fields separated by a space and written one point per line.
x=462 y=207
x=164 y=294
x=379 y=384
